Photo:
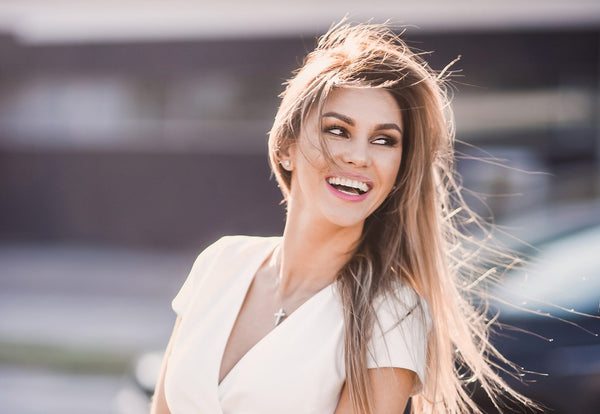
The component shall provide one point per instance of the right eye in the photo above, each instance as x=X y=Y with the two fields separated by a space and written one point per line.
x=338 y=131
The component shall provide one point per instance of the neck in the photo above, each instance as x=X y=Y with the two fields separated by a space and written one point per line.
x=312 y=252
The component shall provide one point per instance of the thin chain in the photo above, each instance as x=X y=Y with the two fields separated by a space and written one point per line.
x=280 y=314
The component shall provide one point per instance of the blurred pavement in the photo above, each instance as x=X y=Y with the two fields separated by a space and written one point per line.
x=67 y=310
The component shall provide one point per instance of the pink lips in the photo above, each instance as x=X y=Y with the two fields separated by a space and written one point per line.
x=350 y=197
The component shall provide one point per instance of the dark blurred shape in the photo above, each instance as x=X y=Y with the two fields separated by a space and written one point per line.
x=139 y=199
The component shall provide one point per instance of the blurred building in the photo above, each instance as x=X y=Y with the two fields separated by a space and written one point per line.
x=147 y=126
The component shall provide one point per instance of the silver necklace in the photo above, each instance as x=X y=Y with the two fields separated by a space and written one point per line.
x=279 y=316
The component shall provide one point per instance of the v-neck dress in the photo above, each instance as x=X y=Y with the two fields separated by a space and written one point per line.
x=298 y=367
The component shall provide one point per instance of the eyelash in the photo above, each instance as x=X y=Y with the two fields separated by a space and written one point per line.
x=343 y=133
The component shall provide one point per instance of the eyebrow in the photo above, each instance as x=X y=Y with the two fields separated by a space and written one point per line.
x=350 y=122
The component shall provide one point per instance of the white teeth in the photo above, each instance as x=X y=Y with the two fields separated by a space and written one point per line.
x=347 y=182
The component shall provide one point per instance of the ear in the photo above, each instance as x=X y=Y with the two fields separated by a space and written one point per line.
x=287 y=156
x=286 y=164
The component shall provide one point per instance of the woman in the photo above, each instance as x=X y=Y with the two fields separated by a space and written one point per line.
x=362 y=303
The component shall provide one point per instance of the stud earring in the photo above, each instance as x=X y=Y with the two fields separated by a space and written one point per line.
x=286 y=164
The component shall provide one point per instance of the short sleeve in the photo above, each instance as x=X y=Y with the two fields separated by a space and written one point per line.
x=400 y=335
x=182 y=300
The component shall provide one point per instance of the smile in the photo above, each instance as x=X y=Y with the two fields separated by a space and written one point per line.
x=349 y=188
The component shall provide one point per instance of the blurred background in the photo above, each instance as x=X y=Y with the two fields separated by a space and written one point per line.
x=133 y=134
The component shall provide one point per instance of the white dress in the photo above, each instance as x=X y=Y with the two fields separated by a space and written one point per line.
x=298 y=367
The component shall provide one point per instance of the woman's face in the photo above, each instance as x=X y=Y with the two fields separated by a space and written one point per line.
x=362 y=128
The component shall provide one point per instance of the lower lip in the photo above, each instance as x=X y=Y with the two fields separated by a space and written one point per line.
x=347 y=197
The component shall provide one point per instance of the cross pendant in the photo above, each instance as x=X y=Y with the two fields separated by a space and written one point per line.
x=279 y=316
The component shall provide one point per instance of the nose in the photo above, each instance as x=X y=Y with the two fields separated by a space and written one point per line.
x=356 y=152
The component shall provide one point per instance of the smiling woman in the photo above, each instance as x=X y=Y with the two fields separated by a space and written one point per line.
x=360 y=128
x=364 y=300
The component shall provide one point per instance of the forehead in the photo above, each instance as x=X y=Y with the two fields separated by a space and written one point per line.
x=366 y=105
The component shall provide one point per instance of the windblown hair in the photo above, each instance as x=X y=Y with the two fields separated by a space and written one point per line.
x=413 y=237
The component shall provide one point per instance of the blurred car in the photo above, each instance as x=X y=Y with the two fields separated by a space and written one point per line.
x=549 y=315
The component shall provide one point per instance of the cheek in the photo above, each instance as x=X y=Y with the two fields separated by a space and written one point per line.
x=309 y=168
x=312 y=156
x=391 y=168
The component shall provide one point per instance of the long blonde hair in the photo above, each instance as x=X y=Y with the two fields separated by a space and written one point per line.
x=413 y=236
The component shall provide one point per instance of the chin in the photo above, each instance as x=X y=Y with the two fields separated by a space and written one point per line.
x=346 y=221
x=348 y=216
